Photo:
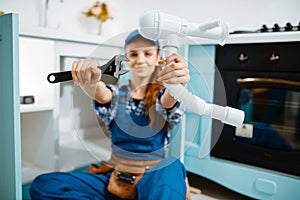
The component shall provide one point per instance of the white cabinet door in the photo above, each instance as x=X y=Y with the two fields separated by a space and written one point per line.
x=37 y=60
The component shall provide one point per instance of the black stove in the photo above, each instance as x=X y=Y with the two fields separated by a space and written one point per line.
x=276 y=28
x=268 y=75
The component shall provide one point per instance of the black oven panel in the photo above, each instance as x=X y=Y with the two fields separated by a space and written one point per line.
x=272 y=57
x=264 y=81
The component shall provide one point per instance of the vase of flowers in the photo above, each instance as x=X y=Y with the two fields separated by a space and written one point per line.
x=101 y=12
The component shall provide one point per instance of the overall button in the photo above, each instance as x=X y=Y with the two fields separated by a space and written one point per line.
x=265 y=186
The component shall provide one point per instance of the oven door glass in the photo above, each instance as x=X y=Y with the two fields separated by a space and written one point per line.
x=272 y=118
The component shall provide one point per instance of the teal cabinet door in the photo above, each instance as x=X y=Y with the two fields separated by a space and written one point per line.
x=10 y=151
x=198 y=127
x=191 y=136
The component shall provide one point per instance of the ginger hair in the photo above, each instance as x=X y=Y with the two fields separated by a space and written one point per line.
x=152 y=90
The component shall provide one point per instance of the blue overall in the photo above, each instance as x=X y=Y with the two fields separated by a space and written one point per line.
x=132 y=139
x=131 y=135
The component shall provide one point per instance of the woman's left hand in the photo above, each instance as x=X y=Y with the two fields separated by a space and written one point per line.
x=175 y=70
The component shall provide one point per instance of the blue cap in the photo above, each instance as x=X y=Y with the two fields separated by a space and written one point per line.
x=135 y=34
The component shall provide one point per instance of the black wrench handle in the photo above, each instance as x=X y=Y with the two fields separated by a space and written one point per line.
x=67 y=75
x=60 y=77
x=108 y=68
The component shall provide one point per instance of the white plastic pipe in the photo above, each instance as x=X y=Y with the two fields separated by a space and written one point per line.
x=156 y=25
x=197 y=105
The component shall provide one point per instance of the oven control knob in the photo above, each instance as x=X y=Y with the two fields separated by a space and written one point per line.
x=264 y=28
x=288 y=27
x=276 y=28
x=243 y=57
x=274 y=58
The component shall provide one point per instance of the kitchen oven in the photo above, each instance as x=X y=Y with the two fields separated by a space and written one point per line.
x=263 y=79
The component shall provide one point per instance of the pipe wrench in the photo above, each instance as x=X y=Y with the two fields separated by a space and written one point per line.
x=112 y=68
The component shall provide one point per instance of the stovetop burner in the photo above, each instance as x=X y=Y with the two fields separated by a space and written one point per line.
x=276 y=28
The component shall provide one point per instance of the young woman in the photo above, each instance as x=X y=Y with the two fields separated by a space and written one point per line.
x=139 y=116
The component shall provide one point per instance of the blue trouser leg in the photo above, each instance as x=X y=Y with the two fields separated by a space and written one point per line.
x=164 y=181
x=71 y=186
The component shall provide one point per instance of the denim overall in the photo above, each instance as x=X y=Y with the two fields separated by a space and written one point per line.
x=131 y=139
x=132 y=136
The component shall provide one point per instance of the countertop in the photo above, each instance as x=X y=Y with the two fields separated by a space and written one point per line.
x=44 y=33
x=264 y=37
x=252 y=38
x=117 y=40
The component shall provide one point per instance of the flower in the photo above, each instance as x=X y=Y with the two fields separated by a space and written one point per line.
x=100 y=11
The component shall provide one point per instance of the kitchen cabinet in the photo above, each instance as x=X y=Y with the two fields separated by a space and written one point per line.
x=10 y=152
x=37 y=122
x=37 y=59
x=202 y=72
x=192 y=135
x=37 y=119
x=59 y=131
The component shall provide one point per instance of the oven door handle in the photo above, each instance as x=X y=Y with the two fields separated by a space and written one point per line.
x=275 y=81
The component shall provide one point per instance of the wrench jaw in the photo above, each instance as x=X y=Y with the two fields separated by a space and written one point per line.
x=118 y=63
x=123 y=71
x=119 y=58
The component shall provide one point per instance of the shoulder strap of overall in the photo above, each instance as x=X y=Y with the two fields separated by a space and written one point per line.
x=123 y=94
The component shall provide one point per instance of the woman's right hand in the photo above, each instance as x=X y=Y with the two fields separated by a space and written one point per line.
x=86 y=72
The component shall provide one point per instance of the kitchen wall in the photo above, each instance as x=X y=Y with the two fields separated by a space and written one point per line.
x=238 y=14
x=63 y=15
x=66 y=16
